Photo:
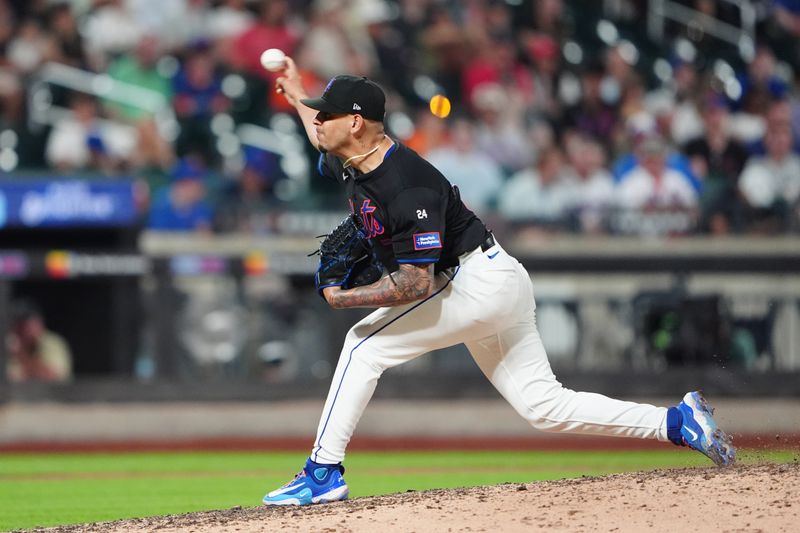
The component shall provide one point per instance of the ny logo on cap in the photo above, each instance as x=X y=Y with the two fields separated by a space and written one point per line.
x=356 y=107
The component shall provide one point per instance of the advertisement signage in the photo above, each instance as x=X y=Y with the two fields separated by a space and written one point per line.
x=67 y=203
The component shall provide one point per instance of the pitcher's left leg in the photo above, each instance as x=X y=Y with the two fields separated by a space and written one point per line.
x=515 y=362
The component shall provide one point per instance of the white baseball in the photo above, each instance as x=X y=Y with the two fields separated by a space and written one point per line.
x=273 y=59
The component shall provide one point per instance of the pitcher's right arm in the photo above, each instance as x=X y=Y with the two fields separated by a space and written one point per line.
x=291 y=86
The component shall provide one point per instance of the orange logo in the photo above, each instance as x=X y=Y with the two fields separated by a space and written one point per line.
x=255 y=263
x=57 y=264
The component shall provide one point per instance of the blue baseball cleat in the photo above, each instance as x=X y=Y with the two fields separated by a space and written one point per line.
x=316 y=483
x=692 y=424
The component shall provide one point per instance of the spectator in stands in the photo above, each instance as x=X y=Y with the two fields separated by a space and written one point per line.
x=248 y=202
x=446 y=46
x=541 y=16
x=7 y=21
x=392 y=47
x=593 y=192
x=760 y=83
x=270 y=30
x=82 y=141
x=491 y=16
x=652 y=184
x=225 y=22
x=30 y=47
x=631 y=100
x=618 y=62
x=622 y=89
x=717 y=160
x=495 y=62
x=500 y=132
x=140 y=69
x=542 y=195
x=677 y=100
x=659 y=104
x=595 y=115
x=430 y=132
x=787 y=15
x=176 y=23
x=69 y=42
x=783 y=29
x=198 y=97
x=11 y=93
x=545 y=57
x=338 y=40
x=771 y=184
x=478 y=178
x=229 y=19
x=110 y=31
x=360 y=18
x=642 y=126
x=34 y=352
x=784 y=111
x=182 y=205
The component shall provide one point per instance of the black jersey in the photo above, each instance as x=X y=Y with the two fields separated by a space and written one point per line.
x=412 y=213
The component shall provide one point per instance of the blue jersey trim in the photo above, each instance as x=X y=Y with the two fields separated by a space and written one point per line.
x=319 y=165
x=417 y=260
x=390 y=150
x=318 y=444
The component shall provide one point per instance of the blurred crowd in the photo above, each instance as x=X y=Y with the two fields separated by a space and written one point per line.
x=567 y=116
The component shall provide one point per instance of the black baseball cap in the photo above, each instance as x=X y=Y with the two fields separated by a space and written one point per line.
x=351 y=95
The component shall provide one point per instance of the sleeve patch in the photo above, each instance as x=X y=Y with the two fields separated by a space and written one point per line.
x=427 y=241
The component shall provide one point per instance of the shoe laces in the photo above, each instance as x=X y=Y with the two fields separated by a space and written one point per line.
x=297 y=476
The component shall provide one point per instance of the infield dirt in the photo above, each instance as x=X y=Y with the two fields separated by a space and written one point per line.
x=742 y=498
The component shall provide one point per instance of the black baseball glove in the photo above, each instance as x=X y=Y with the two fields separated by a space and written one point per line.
x=346 y=257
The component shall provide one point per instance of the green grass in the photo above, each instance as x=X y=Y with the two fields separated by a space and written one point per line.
x=59 y=489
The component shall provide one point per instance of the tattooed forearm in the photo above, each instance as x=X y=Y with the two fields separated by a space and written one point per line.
x=409 y=284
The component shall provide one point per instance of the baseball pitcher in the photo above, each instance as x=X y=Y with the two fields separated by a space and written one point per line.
x=448 y=281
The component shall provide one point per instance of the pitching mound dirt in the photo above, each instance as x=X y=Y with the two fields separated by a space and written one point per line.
x=742 y=498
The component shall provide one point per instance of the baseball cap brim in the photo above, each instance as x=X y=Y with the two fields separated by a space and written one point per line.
x=320 y=104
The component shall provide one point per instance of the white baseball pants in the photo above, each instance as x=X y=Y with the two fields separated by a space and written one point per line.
x=488 y=304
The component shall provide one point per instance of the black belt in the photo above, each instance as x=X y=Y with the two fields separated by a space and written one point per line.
x=488 y=242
